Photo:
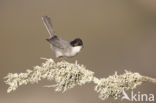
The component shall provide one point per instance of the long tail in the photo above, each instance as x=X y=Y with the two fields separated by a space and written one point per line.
x=48 y=25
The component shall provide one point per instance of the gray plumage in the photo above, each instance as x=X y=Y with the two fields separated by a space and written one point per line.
x=62 y=48
x=48 y=25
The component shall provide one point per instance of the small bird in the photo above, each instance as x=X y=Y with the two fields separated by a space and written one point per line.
x=61 y=48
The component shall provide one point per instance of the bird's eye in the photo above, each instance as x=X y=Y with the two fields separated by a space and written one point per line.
x=76 y=44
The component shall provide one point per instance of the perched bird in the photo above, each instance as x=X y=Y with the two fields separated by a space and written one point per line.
x=61 y=48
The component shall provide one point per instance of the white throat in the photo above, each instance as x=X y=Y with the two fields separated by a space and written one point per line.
x=76 y=49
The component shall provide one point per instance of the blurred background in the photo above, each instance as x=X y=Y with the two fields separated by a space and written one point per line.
x=117 y=35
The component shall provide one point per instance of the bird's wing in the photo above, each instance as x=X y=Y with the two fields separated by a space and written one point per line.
x=48 y=25
x=59 y=43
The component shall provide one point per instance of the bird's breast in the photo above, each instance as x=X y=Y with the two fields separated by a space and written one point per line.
x=68 y=52
x=76 y=50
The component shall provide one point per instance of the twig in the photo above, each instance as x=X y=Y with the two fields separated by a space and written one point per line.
x=149 y=79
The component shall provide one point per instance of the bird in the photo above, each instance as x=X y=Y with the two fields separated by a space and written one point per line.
x=61 y=48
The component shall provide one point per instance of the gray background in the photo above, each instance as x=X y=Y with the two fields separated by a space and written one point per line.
x=117 y=35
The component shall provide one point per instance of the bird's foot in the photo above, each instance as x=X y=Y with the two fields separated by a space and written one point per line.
x=62 y=59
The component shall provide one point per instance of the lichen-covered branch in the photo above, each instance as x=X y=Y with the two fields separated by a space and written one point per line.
x=114 y=85
x=68 y=75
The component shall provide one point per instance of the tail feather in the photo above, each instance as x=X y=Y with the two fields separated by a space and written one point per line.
x=52 y=38
x=48 y=25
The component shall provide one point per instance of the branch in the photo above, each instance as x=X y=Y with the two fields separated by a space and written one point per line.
x=149 y=79
x=68 y=75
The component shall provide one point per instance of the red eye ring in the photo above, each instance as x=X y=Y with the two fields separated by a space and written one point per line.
x=76 y=44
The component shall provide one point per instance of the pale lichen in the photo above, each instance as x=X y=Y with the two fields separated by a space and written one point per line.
x=114 y=85
x=69 y=75
x=15 y=80
x=66 y=75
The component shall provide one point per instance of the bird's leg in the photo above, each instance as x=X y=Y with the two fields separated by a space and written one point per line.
x=61 y=58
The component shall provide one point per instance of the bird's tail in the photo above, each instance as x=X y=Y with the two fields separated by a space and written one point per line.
x=48 y=25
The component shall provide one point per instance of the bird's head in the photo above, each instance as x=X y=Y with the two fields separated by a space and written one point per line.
x=76 y=42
